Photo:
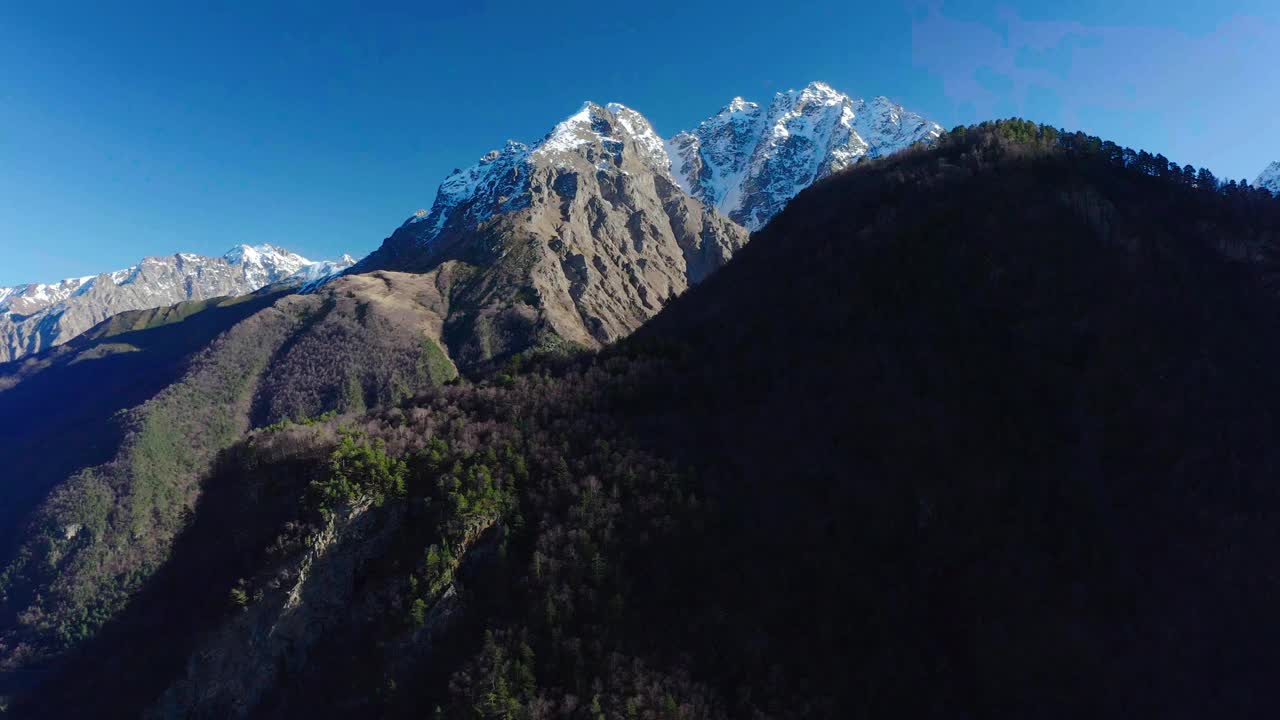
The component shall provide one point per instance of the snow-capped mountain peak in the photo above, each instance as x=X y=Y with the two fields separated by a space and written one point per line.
x=38 y=315
x=497 y=183
x=640 y=130
x=749 y=162
x=264 y=264
x=819 y=91
x=241 y=254
x=1270 y=178
x=609 y=126
x=575 y=131
x=313 y=274
x=746 y=161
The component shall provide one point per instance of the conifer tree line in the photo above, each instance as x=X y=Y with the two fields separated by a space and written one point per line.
x=1031 y=134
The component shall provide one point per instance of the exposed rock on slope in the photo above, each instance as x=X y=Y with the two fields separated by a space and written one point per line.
x=34 y=317
x=309 y=599
x=580 y=237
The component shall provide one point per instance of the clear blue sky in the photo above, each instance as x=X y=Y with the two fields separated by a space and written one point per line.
x=149 y=129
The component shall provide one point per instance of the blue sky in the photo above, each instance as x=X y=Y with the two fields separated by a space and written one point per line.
x=152 y=129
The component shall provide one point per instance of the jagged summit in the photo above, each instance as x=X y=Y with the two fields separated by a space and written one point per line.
x=498 y=181
x=602 y=221
x=1270 y=178
x=589 y=220
x=748 y=161
x=609 y=125
x=39 y=315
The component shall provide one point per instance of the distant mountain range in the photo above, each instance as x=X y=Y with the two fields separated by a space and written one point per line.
x=39 y=315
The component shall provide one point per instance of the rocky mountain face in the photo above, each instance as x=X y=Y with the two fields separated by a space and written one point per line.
x=747 y=161
x=37 y=316
x=580 y=237
x=587 y=233
x=1270 y=178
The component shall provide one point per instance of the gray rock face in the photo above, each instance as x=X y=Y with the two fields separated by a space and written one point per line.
x=582 y=237
x=38 y=316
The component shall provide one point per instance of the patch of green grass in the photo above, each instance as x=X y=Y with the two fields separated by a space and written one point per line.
x=433 y=364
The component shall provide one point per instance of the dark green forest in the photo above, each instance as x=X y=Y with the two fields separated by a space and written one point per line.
x=985 y=429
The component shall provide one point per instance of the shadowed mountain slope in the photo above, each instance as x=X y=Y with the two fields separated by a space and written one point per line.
x=99 y=491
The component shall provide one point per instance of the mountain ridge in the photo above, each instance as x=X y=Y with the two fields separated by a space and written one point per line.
x=748 y=161
x=36 y=316
x=844 y=135
x=602 y=228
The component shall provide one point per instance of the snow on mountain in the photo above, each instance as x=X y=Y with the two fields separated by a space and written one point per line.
x=498 y=182
x=1270 y=178
x=265 y=264
x=40 y=315
x=473 y=195
x=583 y=235
x=323 y=270
x=746 y=161
x=653 y=148
x=711 y=162
x=39 y=295
x=749 y=161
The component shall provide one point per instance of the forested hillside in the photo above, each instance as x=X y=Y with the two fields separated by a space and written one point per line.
x=112 y=434
x=982 y=430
